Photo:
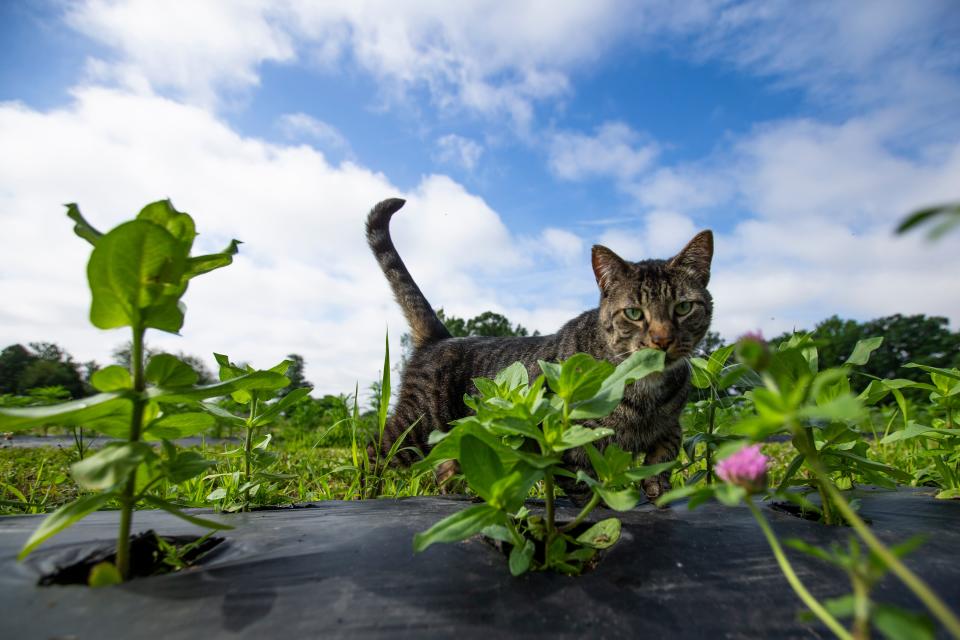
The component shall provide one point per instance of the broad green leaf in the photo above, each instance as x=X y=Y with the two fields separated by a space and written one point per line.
x=863 y=349
x=950 y=373
x=913 y=430
x=136 y=278
x=842 y=408
x=811 y=550
x=718 y=359
x=178 y=425
x=255 y=380
x=729 y=494
x=509 y=492
x=700 y=373
x=498 y=532
x=619 y=500
x=165 y=370
x=948 y=494
x=513 y=376
x=520 y=558
x=80 y=413
x=602 y=535
x=581 y=376
x=219 y=412
x=648 y=471
x=459 y=526
x=174 y=510
x=186 y=465
x=179 y=225
x=639 y=365
x=480 y=465
x=112 y=378
x=487 y=387
x=578 y=435
x=62 y=518
x=110 y=466
x=898 y=624
x=198 y=265
x=82 y=228
x=104 y=574
x=599 y=462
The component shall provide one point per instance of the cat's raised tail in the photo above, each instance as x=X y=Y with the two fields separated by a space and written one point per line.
x=425 y=326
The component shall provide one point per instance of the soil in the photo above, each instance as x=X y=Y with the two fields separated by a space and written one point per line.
x=146 y=558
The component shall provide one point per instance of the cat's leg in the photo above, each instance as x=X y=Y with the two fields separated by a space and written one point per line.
x=664 y=449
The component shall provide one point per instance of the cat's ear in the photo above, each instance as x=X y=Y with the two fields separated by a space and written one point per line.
x=696 y=256
x=607 y=266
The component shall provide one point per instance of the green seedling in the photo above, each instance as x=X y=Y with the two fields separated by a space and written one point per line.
x=137 y=273
x=263 y=408
x=518 y=436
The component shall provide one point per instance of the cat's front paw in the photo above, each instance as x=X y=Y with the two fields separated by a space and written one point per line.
x=656 y=486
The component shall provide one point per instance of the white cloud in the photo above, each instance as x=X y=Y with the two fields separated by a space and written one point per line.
x=196 y=49
x=616 y=151
x=460 y=151
x=565 y=247
x=299 y=125
x=304 y=280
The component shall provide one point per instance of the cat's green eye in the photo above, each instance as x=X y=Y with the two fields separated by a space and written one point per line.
x=683 y=308
x=633 y=313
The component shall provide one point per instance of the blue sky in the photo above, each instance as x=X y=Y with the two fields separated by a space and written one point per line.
x=520 y=137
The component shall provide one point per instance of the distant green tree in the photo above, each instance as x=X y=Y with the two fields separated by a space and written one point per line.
x=295 y=374
x=487 y=323
x=44 y=364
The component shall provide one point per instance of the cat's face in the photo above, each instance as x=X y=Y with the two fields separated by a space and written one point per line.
x=657 y=304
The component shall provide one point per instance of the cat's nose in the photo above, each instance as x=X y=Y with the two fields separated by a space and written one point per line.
x=662 y=340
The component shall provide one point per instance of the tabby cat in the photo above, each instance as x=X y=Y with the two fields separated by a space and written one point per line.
x=660 y=304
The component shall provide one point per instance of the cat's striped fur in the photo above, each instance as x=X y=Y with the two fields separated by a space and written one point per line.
x=441 y=367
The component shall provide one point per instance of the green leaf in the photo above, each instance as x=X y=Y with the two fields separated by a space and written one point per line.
x=174 y=510
x=578 y=435
x=62 y=518
x=509 y=492
x=622 y=500
x=165 y=370
x=112 y=378
x=459 y=526
x=648 y=471
x=178 y=425
x=950 y=373
x=602 y=535
x=480 y=465
x=179 y=225
x=256 y=380
x=104 y=574
x=692 y=491
x=913 y=430
x=384 y=385
x=811 y=550
x=111 y=465
x=841 y=409
x=863 y=349
x=700 y=374
x=136 y=278
x=513 y=376
x=198 y=265
x=898 y=624
x=186 y=465
x=86 y=412
x=82 y=228
x=639 y=365
x=581 y=376
x=520 y=558
x=729 y=494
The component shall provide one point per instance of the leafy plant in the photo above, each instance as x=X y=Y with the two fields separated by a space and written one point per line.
x=820 y=414
x=715 y=377
x=940 y=438
x=818 y=410
x=137 y=274
x=263 y=408
x=518 y=436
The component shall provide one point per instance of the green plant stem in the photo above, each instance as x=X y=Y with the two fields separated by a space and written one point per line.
x=587 y=508
x=812 y=603
x=708 y=454
x=932 y=601
x=861 y=609
x=248 y=453
x=809 y=449
x=127 y=498
x=548 y=501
